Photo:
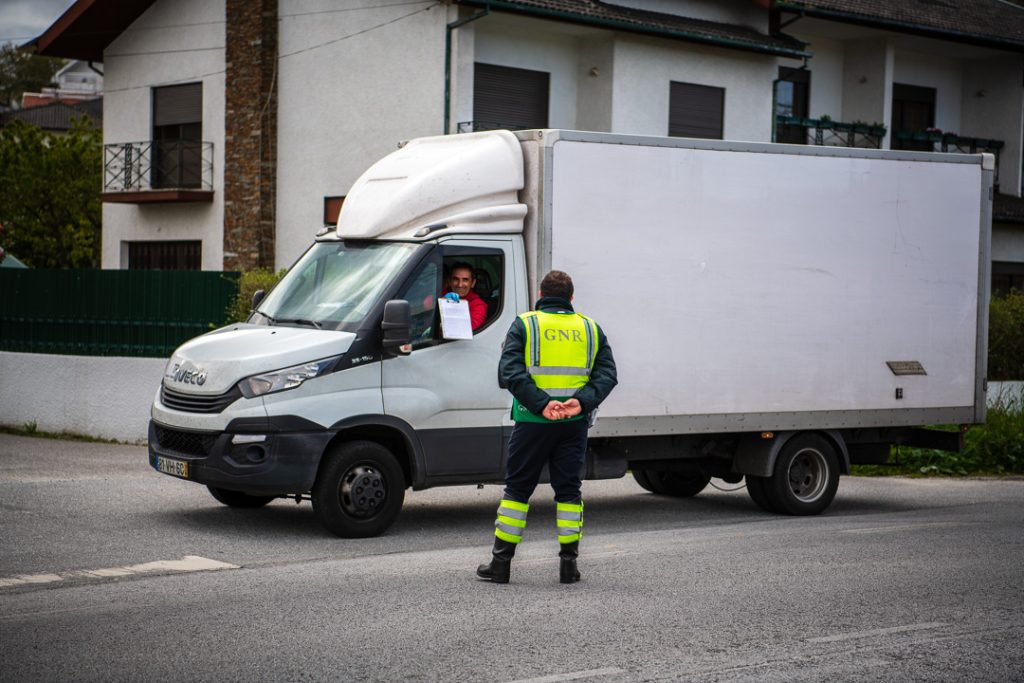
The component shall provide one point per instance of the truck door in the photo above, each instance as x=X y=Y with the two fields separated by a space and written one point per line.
x=447 y=390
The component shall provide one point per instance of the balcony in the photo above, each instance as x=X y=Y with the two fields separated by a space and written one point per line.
x=476 y=126
x=825 y=131
x=158 y=171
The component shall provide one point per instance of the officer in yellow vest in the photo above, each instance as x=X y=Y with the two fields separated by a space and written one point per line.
x=559 y=367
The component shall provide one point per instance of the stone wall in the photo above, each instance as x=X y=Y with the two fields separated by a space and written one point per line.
x=250 y=139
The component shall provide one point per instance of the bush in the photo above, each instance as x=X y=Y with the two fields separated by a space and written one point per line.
x=1006 y=337
x=50 y=209
x=251 y=280
x=996 y=447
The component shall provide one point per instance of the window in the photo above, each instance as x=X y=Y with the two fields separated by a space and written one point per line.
x=792 y=95
x=430 y=280
x=177 y=136
x=165 y=255
x=332 y=209
x=913 y=111
x=695 y=111
x=421 y=292
x=488 y=272
x=504 y=97
x=1007 y=275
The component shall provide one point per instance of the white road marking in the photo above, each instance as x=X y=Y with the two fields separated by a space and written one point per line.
x=898 y=527
x=189 y=563
x=877 y=632
x=571 y=676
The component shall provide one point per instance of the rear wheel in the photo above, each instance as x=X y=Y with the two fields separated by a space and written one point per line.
x=806 y=476
x=359 y=490
x=237 y=499
x=671 y=483
x=641 y=478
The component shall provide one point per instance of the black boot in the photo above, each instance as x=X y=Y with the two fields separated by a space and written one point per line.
x=567 y=571
x=501 y=562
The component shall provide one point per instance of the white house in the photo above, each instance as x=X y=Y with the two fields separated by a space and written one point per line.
x=234 y=128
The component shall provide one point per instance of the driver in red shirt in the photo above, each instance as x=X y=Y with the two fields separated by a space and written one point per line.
x=461 y=281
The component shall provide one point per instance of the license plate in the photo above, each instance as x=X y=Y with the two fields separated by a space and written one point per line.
x=175 y=468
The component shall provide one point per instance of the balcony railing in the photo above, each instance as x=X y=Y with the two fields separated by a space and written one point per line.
x=475 y=126
x=156 y=170
x=801 y=131
x=937 y=141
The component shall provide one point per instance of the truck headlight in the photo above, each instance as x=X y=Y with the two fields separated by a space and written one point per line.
x=288 y=378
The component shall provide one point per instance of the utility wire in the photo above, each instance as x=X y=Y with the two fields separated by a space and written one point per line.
x=190 y=79
x=136 y=29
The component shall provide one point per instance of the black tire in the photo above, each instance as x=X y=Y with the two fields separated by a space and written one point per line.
x=237 y=499
x=806 y=476
x=359 y=490
x=755 y=487
x=641 y=478
x=670 y=483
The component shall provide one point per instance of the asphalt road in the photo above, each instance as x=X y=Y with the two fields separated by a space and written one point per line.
x=900 y=580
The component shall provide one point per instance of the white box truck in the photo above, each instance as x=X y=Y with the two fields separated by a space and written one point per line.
x=777 y=313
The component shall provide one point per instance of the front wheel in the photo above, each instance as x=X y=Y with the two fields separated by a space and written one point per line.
x=670 y=483
x=359 y=490
x=237 y=499
x=806 y=476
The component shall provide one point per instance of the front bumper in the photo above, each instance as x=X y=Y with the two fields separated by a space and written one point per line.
x=282 y=463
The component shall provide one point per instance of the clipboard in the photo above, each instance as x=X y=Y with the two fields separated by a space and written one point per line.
x=455 y=320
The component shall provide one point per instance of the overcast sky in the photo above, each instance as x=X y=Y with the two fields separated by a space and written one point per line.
x=22 y=20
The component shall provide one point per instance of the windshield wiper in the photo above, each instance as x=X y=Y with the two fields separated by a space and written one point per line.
x=297 y=321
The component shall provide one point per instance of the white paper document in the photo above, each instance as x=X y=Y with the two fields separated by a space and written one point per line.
x=455 y=321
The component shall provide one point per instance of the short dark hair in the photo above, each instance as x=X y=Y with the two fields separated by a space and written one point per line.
x=557 y=283
x=462 y=264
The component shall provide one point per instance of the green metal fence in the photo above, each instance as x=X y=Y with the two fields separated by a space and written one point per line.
x=109 y=312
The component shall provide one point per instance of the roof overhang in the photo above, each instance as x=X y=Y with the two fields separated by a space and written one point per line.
x=811 y=9
x=88 y=27
x=671 y=26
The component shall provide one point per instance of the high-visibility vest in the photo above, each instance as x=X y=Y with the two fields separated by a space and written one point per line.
x=559 y=352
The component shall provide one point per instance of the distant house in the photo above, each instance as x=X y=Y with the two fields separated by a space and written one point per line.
x=77 y=81
x=234 y=128
x=56 y=117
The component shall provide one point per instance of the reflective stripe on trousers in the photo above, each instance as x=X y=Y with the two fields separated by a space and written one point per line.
x=511 y=520
x=569 y=517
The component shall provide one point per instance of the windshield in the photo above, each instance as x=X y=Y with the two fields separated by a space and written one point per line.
x=335 y=284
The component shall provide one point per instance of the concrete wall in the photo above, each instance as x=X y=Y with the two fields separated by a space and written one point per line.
x=351 y=87
x=157 y=50
x=527 y=45
x=110 y=398
x=96 y=396
x=993 y=107
x=645 y=67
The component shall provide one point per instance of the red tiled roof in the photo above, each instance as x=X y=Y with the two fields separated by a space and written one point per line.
x=58 y=115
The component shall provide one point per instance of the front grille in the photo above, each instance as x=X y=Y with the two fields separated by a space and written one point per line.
x=189 y=443
x=196 y=403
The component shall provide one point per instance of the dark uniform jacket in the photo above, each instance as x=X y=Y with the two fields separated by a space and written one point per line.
x=512 y=373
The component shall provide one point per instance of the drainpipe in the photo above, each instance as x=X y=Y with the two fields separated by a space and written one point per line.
x=448 y=61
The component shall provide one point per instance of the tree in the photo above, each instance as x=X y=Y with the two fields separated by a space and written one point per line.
x=21 y=71
x=50 y=195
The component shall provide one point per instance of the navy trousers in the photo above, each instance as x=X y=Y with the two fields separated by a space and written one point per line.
x=562 y=446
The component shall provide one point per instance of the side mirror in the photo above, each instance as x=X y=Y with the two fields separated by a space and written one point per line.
x=257 y=298
x=397 y=327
